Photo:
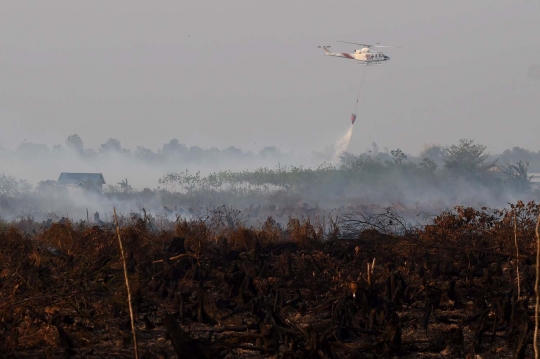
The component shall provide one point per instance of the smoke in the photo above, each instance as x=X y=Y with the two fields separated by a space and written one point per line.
x=343 y=143
x=270 y=183
x=143 y=169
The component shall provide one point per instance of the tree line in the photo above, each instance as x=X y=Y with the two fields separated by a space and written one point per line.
x=436 y=167
x=439 y=168
x=172 y=150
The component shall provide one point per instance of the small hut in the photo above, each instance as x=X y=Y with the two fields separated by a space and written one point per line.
x=91 y=182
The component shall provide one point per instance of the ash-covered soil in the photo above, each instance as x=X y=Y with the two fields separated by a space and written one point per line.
x=353 y=287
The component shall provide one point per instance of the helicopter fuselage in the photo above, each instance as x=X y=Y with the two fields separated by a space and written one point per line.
x=364 y=56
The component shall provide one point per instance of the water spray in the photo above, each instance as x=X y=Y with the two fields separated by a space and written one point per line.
x=343 y=143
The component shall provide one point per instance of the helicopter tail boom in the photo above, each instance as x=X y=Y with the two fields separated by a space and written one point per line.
x=337 y=54
x=325 y=48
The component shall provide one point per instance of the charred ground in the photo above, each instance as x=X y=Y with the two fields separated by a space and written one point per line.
x=356 y=286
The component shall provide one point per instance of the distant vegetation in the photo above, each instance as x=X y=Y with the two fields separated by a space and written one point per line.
x=173 y=151
x=11 y=186
x=440 y=178
x=183 y=156
x=446 y=171
x=436 y=165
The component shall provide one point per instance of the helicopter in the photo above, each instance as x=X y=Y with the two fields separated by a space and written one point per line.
x=364 y=56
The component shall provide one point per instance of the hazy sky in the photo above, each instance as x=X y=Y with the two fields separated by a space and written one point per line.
x=249 y=73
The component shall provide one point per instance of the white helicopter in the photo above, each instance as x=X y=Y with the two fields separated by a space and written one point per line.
x=364 y=56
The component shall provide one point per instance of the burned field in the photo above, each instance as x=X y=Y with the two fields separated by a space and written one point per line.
x=353 y=287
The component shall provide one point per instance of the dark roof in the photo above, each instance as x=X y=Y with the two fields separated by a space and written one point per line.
x=76 y=178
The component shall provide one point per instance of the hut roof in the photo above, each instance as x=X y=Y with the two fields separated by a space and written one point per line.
x=75 y=178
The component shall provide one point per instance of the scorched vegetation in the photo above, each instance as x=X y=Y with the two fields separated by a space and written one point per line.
x=356 y=286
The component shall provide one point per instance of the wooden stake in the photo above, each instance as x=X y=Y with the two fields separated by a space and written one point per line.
x=127 y=285
x=517 y=256
x=535 y=344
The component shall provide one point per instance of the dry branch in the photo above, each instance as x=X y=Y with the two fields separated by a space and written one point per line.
x=176 y=257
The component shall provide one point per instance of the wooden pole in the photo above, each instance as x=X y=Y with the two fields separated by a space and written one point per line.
x=517 y=256
x=127 y=285
x=535 y=342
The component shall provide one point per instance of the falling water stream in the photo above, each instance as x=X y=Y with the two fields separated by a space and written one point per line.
x=342 y=144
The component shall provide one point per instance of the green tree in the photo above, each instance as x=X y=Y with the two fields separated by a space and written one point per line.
x=428 y=166
x=398 y=156
x=435 y=153
x=518 y=175
x=145 y=154
x=10 y=186
x=270 y=152
x=75 y=143
x=125 y=186
x=467 y=159
x=112 y=145
x=232 y=152
x=174 y=149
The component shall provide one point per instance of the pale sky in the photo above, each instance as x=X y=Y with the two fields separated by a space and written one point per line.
x=249 y=73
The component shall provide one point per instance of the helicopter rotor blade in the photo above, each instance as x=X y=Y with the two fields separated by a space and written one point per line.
x=355 y=43
x=368 y=45
x=394 y=47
